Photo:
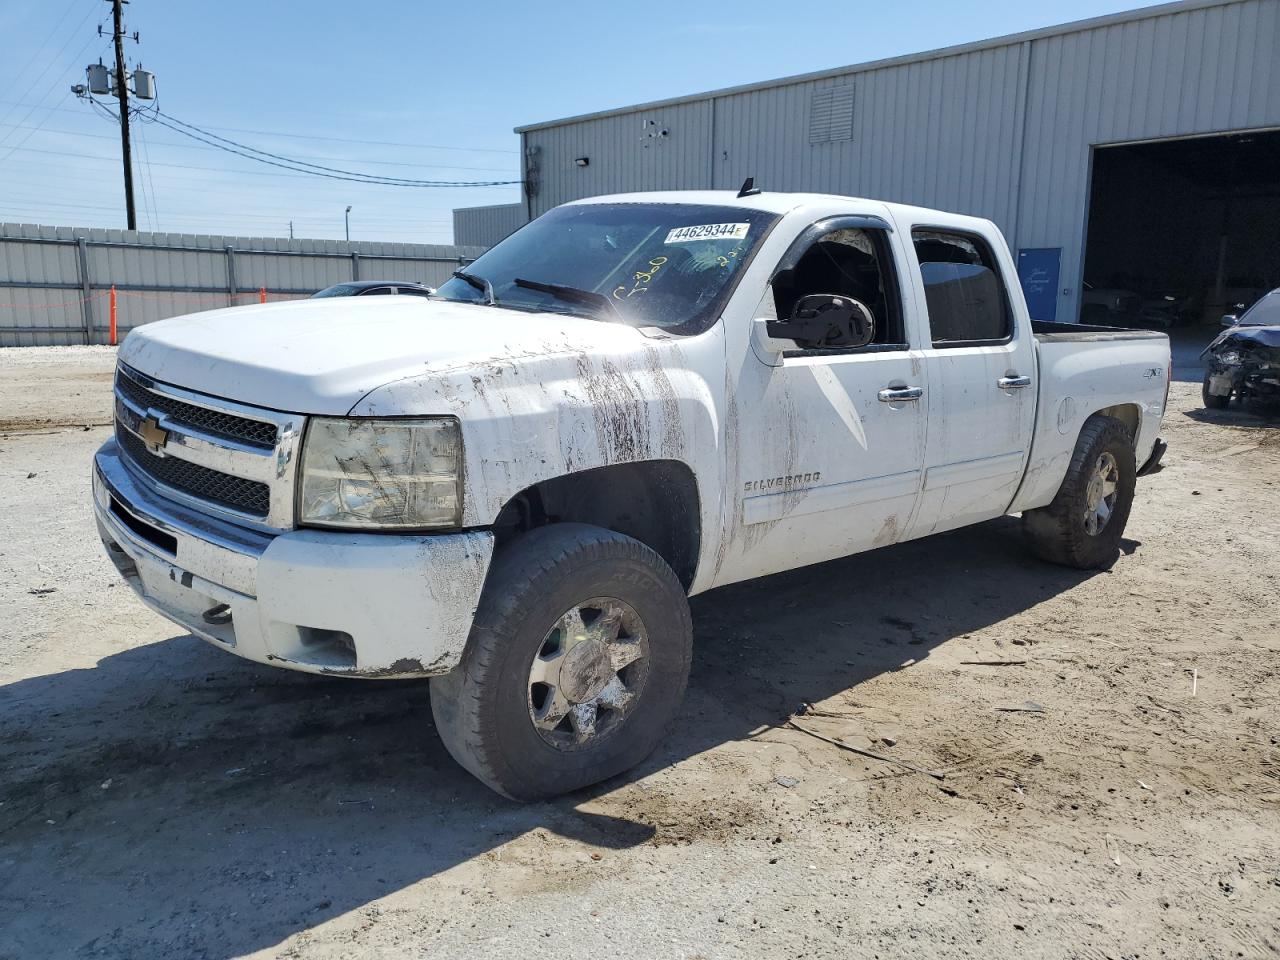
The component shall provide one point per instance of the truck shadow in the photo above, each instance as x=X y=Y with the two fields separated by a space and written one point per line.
x=1251 y=416
x=173 y=801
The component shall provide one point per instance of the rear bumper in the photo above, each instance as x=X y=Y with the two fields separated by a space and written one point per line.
x=1153 y=461
x=360 y=605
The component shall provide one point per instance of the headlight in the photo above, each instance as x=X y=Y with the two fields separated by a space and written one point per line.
x=1229 y=358
x=382 y=474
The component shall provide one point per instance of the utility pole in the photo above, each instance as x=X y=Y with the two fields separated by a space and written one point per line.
x=122 y=92
x=104 y=82
x=347 y=221
x=290 y=229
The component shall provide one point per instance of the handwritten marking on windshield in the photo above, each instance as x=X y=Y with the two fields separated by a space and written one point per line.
x=641 y=278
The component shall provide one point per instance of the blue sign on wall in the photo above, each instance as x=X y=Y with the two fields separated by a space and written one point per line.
x=1038 y=272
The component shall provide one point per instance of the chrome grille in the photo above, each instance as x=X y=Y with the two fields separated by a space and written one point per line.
x=221 y=457
x=235 y=493
x=135 y=388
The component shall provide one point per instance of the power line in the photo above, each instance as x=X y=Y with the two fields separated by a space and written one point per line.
x=314 y=136
x=297 y=175
x=205 y=149
x=300 y=166
x=53 y=61
x=48 y=114
x=373 y=143
x=145 y=156
x=36 y=51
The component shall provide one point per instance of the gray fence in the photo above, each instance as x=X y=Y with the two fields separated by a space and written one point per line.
x=55 y=282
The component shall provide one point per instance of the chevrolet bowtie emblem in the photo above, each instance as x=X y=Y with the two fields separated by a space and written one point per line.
x=152 y=434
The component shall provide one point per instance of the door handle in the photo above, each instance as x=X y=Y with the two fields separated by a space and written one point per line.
x=898 y=394
x=1010 y=383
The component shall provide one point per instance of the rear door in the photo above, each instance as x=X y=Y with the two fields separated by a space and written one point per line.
x=980 y=364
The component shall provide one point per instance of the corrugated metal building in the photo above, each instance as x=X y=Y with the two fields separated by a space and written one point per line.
x=1064 y=135
x=487 y=225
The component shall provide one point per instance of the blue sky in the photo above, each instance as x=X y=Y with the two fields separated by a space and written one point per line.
x=403 y=89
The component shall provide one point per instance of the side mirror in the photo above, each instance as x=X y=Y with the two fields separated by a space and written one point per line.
x=1230 y=320
x=826 y=320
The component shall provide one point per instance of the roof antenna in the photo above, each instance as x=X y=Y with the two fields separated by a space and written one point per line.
x=749 y=188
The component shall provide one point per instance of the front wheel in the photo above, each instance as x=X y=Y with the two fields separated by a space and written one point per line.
x=1083 y=525
x=1211 y=400
x=576 y=664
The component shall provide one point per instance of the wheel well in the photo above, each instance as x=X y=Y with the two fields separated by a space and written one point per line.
x=1130 y=414
x=654 y=501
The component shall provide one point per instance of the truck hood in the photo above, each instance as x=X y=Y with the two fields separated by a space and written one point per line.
x=323 y=356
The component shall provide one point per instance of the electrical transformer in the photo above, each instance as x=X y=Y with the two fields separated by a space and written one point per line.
x=144 y=84
x=99 y=78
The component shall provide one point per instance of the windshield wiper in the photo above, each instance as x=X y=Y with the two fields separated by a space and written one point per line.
x=574 y=295
x=480 y=283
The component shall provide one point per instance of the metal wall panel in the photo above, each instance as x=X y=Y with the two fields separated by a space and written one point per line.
x=1196 y=72
x=960 y=155
x=43 y=298
x=1002 y=129
x=485 y=226
x=624 y=153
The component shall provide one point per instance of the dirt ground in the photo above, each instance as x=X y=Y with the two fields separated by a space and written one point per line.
x=159 y=798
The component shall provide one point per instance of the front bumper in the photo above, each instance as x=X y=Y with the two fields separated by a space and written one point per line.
x=354 y=604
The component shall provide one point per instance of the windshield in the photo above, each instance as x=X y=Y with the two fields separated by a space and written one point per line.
x=668 y=265
x=1264 y=313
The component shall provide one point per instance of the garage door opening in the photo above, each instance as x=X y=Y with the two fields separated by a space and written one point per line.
x=1182 y=231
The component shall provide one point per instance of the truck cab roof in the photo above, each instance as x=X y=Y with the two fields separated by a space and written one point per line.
x=784 y=203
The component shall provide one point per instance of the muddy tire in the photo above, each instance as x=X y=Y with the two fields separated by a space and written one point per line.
x=1083 y=525
x=576 y=664
x=1213 y=401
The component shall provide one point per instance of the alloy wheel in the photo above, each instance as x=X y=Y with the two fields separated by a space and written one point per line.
x=588 y=673
x=1100 y=494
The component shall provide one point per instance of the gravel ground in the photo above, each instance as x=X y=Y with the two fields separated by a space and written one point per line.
x=42 y=387
x=159 y=798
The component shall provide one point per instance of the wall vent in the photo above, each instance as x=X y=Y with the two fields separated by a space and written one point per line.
x=831 y=114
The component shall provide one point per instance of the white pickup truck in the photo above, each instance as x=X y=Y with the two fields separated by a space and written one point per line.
x=513 y=486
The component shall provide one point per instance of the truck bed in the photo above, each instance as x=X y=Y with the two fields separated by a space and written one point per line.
x=1047 y=331
x=1082 y=369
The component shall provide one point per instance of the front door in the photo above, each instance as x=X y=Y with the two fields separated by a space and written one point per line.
x=981 y=365
x=826 y=444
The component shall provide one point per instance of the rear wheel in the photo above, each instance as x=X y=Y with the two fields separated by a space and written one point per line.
x=1211 y=400
x=576 y=664
x=1083 y=525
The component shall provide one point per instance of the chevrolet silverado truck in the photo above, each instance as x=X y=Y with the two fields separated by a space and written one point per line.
x=513 y=486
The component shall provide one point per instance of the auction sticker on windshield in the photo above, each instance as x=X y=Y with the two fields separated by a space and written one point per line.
x=709 y=231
